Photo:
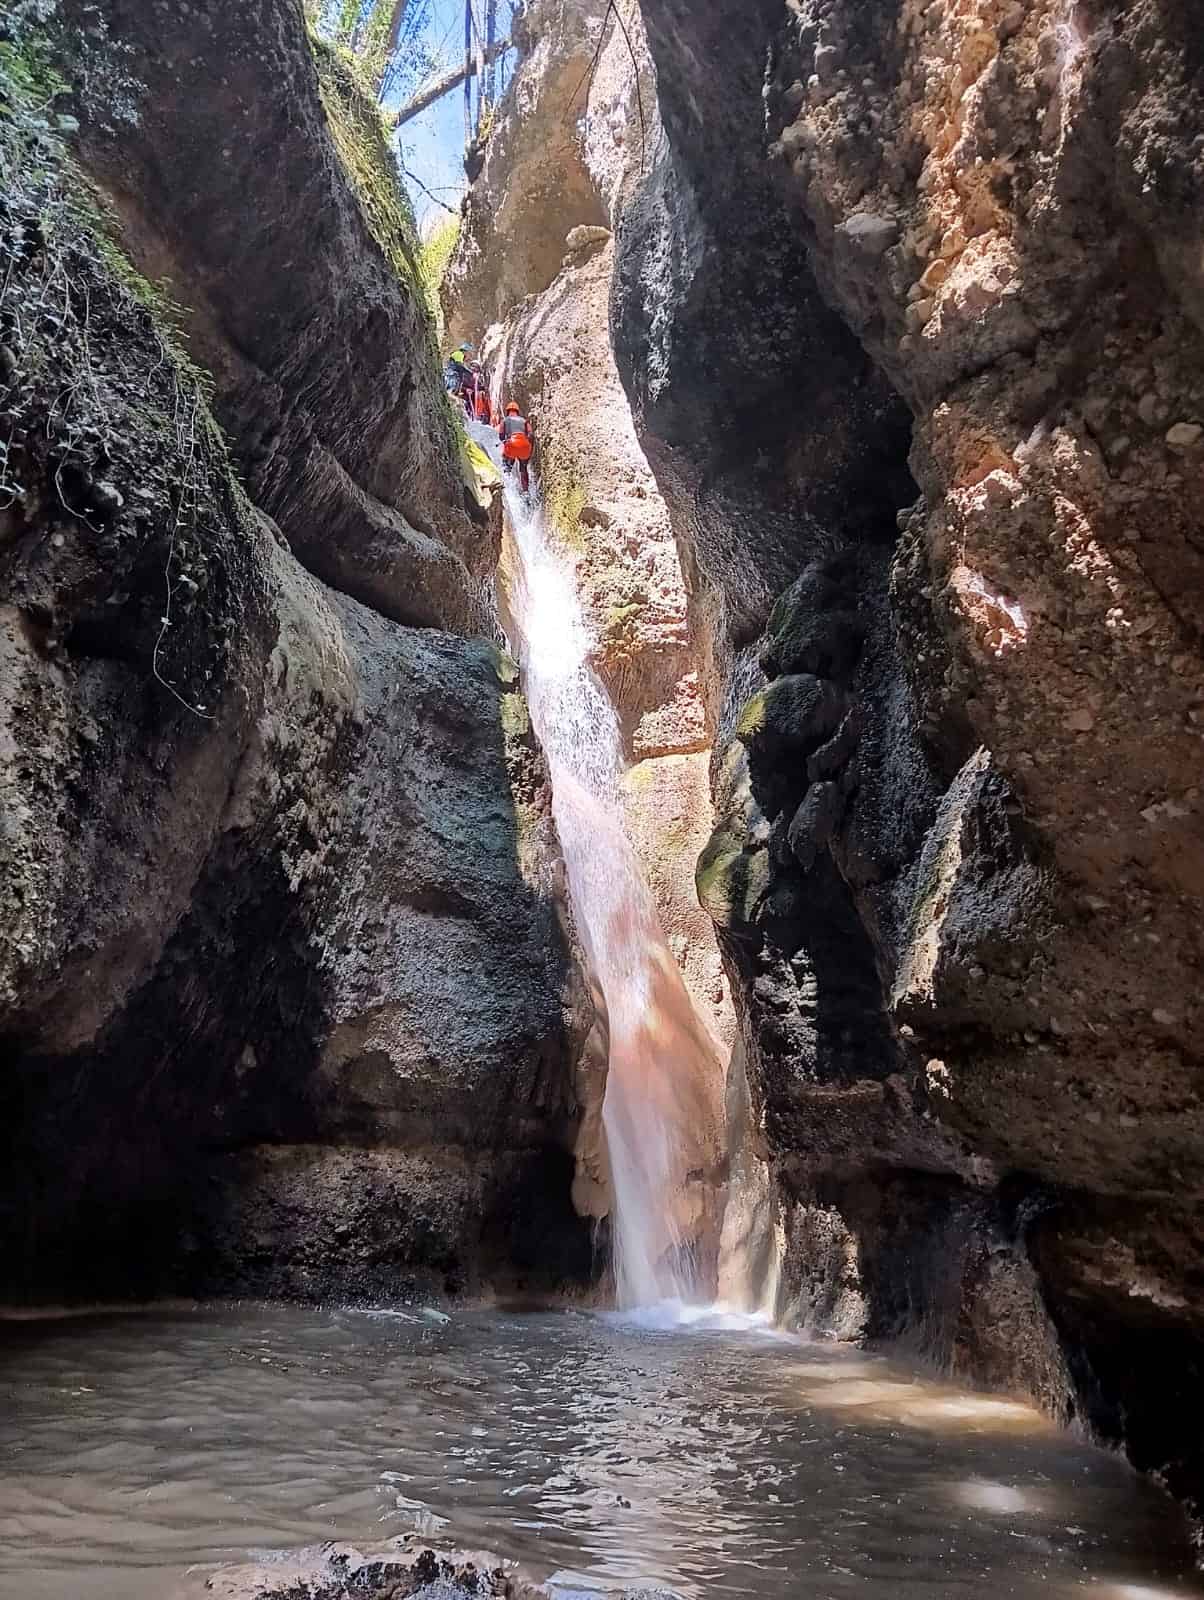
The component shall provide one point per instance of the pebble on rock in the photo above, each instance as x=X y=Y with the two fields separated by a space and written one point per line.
x=869 y=234
x=1184 y=435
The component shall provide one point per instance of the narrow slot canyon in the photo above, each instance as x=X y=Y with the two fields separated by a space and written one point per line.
x=600 y=849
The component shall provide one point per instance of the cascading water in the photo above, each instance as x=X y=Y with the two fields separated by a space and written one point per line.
x=659 y=1113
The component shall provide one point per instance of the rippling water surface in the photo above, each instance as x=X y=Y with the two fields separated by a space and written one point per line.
x=137 y=1451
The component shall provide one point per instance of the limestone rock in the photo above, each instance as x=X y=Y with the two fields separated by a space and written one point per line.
x=585 y=237
x=868 y=234
x=534 y=190
x=732 y=879
x=1030 y=678
x=1184 y=435
x=321 y=353
x=286 y=983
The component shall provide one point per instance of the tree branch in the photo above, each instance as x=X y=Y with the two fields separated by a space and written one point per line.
x=455 y=210
x=441 y=86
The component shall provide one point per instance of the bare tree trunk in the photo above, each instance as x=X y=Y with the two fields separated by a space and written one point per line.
x=479 y=57
x=396 y=23
x=467 y=72
x=488 y=81
x=441 y=86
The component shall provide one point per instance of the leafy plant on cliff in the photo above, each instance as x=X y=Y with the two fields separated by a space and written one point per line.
x=436 y=251
x=383 y=37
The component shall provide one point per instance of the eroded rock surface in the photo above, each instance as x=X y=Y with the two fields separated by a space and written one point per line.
x=340 y=1572
x=287 y=990
x=550 y=349
x=221 y=137
x=533 y=187
x=956 y=866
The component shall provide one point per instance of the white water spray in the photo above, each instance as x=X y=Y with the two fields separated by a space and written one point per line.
x=659 y=1112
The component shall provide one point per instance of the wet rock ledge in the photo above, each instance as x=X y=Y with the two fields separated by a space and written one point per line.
x=339 y=1572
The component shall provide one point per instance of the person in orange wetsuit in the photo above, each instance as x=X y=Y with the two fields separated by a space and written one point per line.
x=515 y=434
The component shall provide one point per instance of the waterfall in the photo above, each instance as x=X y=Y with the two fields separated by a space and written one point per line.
x=659 y=1115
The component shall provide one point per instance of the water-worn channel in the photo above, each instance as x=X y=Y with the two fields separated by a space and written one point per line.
x=136 y=1451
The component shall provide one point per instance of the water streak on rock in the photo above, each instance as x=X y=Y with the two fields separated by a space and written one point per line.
x=659 y=1114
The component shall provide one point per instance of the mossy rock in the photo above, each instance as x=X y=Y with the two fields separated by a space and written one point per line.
x=810 y=593
x=732 y=878
x=832 y=758
x=477 y=471
x=815 y=821
x=797 y=711
x=504 y=665
x=564 y=500
x=826 y=644
x=363 y=145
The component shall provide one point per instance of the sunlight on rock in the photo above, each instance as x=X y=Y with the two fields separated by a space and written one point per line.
x=1001 y=622
x=912 y=1402
x=1140 y=1591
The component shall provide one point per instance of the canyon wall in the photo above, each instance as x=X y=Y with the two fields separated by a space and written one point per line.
x=544 y=201
x=910 y=321
x=906 y=303
x=287 y=985
x=863 y=346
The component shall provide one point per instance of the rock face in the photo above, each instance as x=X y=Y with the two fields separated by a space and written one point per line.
x=287 y=994
x=226 y=124
x=956 y=872
x=531 y=191
x=341 y=1572
x=550 y=349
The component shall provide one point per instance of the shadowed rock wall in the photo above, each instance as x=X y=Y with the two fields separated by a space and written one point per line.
x=956 y=868
x=287 y=993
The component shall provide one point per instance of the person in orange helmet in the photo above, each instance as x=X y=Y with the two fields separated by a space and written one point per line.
x=517 y=444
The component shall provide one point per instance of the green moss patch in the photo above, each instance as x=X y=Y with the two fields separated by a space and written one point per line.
x=130 y=537
x=362 y=143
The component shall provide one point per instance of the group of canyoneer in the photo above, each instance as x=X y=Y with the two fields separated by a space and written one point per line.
x=466 y=378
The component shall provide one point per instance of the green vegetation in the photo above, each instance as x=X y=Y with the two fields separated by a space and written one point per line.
x=433 y=259
x=732 y=878
x=362 y=143
x=383 y=37
x=109 y=423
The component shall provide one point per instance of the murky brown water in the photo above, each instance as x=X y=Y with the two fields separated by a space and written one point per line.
x=136 y=1451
